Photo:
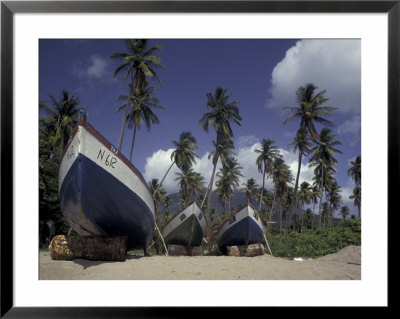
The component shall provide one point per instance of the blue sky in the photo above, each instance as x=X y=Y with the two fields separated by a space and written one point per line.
x=262 y=75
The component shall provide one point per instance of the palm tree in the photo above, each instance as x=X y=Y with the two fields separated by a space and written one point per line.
x=310 y=110
x=221 y=113
x=357 y=199
x=308 y=218
x=344 y=211
x=314 y=198
x=158 y=192
x=326 y=212
x=324 y=161
x=61 y=118
x=159 y=195
x=184 y=154
x=268 y=153
x=222 y=191
x=302 y=143
x=334 y=197
x=229 y=178
x=251 y=189
x=138 y=63
x=355 y=171
x=142 y=111
x=305 y=195
x=191 y=183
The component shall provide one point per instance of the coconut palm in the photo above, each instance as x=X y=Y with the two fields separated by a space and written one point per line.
x=60 y=119
x=222 y=191
x=141 y=111
x=305 y=195
x=137 y=64
x=268 y=153
x=303 y=145
x=326 y=213
x=221 y=114
x=251 y=189
x=184 y=154
x=281 y=177
x=159 y=195
x=229 y=178
x=310 y=110
x=191 y=183
x=334 y=197
x=344 y=211
x=357 y=199
x=323 y=159
x=355 y=171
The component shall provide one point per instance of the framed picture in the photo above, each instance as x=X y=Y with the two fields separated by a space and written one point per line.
x=25 y=24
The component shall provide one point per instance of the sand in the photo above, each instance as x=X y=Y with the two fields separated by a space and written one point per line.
x=343 y=265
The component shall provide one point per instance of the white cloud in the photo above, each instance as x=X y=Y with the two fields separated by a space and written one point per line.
x=332 y=65
x=156 y=167
x=351 y=126
x=94 y=68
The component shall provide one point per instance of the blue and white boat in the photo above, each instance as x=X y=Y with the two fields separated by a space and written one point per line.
x=243 y=228
x=101 y=192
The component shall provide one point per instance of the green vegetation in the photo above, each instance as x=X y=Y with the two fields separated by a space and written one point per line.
x=316 y=242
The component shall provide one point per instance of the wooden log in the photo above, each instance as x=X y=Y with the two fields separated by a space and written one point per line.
x=177 y=250
x=254 y=250
x=196 y=251
x=245 y=250
x=64 y=247
x=233 y=251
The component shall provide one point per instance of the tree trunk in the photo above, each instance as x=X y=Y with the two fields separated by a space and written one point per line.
x=245 y=250
x=262 y=191
x=133 y=143
x=294 y=202
x=273 y=202
x=159 y=185
x=64 y=247
x=210 y=191
x=177 y=250
x=124 y=120
x=280 y=217
x=320 y=196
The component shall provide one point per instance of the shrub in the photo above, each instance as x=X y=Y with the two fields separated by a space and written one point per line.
x=316 y=243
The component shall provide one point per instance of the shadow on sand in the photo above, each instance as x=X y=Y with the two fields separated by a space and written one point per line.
x=91 y=263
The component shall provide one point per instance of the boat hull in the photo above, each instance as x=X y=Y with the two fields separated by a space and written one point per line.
x=187 y=228
x=96 y=202
x=245 y=231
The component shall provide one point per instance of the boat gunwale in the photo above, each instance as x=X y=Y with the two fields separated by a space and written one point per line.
x=82 y=122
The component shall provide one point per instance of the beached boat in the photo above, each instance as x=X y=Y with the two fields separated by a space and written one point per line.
x=243 y=228
x=186 y=228
x=101 y=192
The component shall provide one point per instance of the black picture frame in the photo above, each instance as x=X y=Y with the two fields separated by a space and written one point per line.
x=9 y=8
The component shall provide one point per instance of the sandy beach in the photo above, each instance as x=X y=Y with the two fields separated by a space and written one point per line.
x=343 y=265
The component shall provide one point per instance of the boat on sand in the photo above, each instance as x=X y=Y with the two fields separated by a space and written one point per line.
x=243 y=228
x=186 y=228
x=101 y=192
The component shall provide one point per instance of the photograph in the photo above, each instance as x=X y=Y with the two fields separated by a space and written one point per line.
x=199 y=158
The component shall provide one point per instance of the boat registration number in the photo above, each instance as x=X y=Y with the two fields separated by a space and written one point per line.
x=107 y=158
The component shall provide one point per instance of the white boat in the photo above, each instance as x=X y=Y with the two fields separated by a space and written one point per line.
x=101 y=192
x=186 y=228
